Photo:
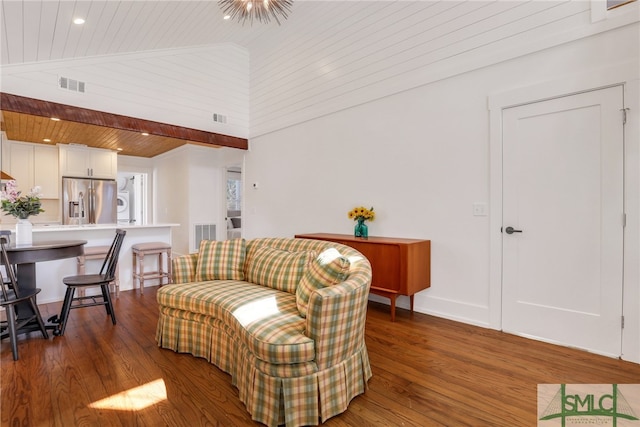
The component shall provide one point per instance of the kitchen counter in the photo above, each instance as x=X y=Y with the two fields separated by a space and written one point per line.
x=38 y=228
x=51 y=273
x=45 y=227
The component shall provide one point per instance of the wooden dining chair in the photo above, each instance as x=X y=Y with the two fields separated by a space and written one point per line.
x=11 y=295
x=103 y=279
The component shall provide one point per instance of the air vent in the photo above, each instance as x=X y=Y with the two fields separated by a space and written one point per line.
x=203 y=232
x=219 y=118
x=71 y=84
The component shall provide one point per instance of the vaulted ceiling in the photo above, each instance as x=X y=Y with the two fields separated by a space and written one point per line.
x=41 y=31
x=35 y=31
x=327 y=56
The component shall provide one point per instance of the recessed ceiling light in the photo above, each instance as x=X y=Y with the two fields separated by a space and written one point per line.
x=227 y=17
x=78 y=21
x=145 y=133
x=55 y=119
x=46 y=140
x=119 y=149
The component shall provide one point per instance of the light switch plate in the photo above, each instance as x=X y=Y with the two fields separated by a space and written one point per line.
x=480 y=209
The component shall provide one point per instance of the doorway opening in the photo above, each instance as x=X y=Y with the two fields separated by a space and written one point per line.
x=132 y=198
x=234 y=203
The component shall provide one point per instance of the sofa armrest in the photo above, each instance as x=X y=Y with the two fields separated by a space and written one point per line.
x=183 y=268
x=336 y=318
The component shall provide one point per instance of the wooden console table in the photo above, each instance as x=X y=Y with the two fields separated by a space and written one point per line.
x=400 y=266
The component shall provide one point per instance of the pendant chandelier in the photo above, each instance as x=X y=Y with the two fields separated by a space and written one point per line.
x=250 y=10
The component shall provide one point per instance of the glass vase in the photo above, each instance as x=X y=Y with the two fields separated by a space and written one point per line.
x=361 y=229
x=24 y=232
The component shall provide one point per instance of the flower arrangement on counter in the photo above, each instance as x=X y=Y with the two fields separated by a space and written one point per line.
x=18 y=205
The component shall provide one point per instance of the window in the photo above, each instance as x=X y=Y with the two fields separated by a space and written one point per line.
x=234 y=190
x=602 y=10
x=234 y=203
x=611 y=4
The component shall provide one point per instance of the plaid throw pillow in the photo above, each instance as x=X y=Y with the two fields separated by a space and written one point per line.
x=221 y=260
x=329 y=268
x=183 y=268
x=277 y=268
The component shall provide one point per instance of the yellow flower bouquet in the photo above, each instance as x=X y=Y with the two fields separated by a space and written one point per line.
x=362 y=213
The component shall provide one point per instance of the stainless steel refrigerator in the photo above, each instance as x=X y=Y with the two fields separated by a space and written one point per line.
x=89 y=201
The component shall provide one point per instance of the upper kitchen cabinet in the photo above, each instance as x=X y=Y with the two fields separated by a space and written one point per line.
x=81 y=162
x=32 y=165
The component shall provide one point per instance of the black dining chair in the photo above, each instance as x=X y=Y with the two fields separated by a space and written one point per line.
x=11 y=295
x=102 y=279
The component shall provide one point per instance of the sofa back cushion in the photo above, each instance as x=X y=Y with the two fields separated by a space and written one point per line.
x=327 y=269
x=221 y=260
x=277 y=268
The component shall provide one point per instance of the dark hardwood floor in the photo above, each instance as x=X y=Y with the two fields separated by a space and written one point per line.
x=427 y=371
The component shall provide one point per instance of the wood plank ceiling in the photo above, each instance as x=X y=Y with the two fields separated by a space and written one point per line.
x=327 y=56
x=31 y=120
x=31 y=32
x=35 y=32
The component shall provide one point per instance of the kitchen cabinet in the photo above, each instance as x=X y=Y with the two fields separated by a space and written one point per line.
x=32 y=165
x=399 y=266
x=83 y=162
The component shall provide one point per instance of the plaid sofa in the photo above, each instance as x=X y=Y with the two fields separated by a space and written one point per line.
x=288 y=368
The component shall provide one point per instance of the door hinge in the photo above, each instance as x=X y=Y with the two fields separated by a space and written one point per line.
x=622 y=321
x=624 y=220
x=624 y=115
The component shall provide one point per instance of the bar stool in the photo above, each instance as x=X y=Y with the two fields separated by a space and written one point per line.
x=139 y=251
x=96 y=252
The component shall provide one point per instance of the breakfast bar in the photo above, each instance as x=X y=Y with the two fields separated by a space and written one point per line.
x=50 y=273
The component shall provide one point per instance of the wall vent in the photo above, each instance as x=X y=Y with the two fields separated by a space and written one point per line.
x=219 y=118
x=70 y=84
x=203 y=232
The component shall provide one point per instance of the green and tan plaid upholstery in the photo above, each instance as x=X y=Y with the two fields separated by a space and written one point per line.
x=277 y=269
x=288 y=369
x=265 y=319
x=183 y=268
x=328 y=269
x=221 y=260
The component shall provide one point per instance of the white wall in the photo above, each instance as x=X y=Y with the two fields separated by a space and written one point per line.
x=171 y=201
x=192 y=183
x=421 y=159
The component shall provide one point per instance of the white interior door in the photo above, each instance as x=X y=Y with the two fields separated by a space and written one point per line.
x=563 y=194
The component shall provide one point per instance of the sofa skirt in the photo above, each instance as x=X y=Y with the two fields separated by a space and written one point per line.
x=295 y=395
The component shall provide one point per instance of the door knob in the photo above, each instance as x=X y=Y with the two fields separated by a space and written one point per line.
x=511 y=230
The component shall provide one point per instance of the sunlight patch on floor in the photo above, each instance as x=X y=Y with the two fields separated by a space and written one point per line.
x=134 y=399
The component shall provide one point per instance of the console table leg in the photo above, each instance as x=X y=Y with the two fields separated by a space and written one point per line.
x=393 y=307
x=411 y=303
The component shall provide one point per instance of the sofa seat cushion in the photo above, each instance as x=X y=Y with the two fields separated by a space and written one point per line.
x=265 y=319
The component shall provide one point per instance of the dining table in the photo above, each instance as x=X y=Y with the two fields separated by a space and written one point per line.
x=25 y=257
